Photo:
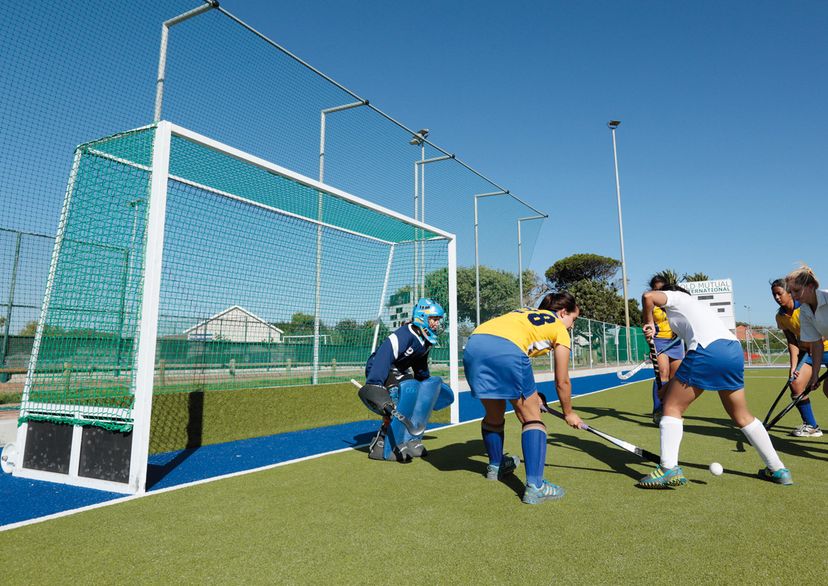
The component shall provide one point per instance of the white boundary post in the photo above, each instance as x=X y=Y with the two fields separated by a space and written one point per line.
x=454 y=351
x=148 y=333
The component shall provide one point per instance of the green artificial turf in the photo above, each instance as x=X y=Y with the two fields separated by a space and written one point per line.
x=345 y=519
x=197 y=418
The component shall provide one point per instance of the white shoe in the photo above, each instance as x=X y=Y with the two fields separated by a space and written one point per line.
x=806 y=430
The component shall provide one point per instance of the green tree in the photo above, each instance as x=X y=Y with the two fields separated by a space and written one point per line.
x=31 y=328
x=580 y=267
x=601 y=301
x=498 y=291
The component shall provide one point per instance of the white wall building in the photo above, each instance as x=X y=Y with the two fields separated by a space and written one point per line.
x=235 y=324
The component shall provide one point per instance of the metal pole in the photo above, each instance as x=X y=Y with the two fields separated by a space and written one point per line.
x=589 y=326
x=419 y=264
x=520 y=254
x=4 y=349
x=317 y=318
x=416 y=233
x=613 y=125
x=477 y=252
x=162 y=58
x=520 y=268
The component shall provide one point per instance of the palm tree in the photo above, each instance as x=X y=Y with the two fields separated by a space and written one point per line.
x=695 y=277
x=669 y=275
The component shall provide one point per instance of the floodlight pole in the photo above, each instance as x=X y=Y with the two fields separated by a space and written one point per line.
x=612 y=125
x=317 y=318
x=477 y=252
x=421 y=165
x=520 y=253
x=162 y=58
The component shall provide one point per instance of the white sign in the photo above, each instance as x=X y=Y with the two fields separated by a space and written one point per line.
x=718 y=295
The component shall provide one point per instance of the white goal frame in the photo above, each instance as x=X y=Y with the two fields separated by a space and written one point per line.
x=148 y=329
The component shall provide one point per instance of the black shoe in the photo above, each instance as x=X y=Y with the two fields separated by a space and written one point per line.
x=376 y=448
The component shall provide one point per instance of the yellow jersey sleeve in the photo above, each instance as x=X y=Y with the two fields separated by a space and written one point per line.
x=660 y=319
x=790 y=323
x=534 y=331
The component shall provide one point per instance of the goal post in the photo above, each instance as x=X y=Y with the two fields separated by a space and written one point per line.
x=185 y=266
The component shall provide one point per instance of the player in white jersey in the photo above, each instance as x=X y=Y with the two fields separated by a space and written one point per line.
x=813 y=316
x=714 y=362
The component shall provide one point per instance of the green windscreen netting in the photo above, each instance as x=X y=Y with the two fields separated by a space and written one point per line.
x=266 y=283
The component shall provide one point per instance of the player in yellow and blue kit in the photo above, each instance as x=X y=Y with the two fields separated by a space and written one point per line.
x=787 y=320
x=498 y=369
x=669 y=358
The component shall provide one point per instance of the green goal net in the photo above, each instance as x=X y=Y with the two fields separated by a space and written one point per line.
x=184 y=266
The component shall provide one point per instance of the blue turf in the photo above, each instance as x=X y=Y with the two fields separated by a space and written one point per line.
x=22 y=499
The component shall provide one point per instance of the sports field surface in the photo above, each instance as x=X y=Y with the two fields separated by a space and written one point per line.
x=342 y=518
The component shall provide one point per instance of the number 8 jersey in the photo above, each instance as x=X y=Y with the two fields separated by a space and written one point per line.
x=534 y=331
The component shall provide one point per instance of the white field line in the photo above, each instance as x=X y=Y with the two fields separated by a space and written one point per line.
x=234 y=474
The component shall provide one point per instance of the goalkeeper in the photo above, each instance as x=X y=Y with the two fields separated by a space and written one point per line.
x=393 y=375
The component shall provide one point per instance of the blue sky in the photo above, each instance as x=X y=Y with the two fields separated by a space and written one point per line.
x=721 y=146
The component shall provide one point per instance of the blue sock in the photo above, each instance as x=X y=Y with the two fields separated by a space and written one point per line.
x=493 y=440
x=534 y=454
x=656 y=400
x=807 y=412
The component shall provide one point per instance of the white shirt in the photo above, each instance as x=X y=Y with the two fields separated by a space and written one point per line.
x=693 y=321
x=813 y=326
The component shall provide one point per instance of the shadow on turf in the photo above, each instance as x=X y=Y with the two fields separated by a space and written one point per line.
x=720 y=427
x=467 y=457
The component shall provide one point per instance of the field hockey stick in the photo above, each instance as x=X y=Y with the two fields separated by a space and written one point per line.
x=785 y=388
x=633 y=449
x=407 y=423
x=648 y=360
x=795 y=402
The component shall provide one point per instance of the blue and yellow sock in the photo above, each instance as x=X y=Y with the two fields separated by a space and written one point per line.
x=493 y=440
x=533 y=441
x=807 y=412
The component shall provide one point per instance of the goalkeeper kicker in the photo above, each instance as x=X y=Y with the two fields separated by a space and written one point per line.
x=400 y=387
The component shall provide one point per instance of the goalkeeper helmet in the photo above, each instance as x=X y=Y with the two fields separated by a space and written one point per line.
x=428 y=308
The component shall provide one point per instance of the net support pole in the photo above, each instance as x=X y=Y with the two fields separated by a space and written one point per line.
x=454 y=368
x=148 y=332
x=162 y=56
x=382 y=297
x=477 y=252
x=520 y=253
x=422 y=163
x=317 y=318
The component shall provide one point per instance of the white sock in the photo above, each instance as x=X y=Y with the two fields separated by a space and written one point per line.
x=671 y=432
x=758 y=437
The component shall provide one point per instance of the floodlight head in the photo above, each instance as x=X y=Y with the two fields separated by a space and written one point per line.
x=419 y=137
x=613 y=124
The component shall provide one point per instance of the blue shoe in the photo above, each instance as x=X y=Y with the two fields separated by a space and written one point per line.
x=547 y=491
x=661 y=478
x=781 y=476
x=507 y=466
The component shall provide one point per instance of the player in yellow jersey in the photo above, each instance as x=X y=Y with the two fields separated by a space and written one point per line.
x=497 y=366
x=669 y=360
x=787 y=320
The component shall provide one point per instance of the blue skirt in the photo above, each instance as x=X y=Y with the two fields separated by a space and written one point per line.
x=497 y=369
x=719 y=367
x=676 y=352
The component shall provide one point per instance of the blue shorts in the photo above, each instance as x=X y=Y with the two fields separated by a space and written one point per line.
x=719 y=367
x=497 y=369
x=676 y=352
x=808 y=360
